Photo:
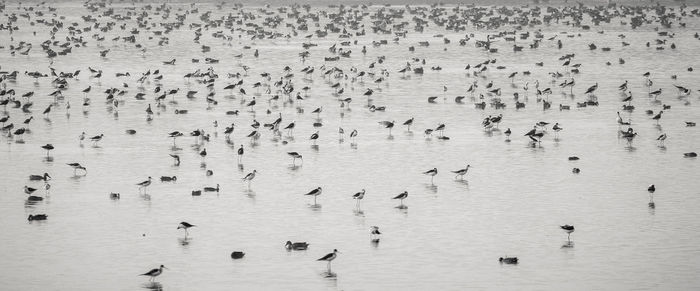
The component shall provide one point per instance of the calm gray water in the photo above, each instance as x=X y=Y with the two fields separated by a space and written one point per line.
x=452 y=232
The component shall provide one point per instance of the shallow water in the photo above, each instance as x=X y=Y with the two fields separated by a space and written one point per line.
x=452 y=232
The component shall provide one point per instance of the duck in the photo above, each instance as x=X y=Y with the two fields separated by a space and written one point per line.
x=508 y=260
x=237 y=255
x=37 y=217
x=212 y=189
x=168 y=179
x=297 y=246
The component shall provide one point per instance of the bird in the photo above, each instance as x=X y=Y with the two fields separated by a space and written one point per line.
x=250 y=177
x=185 y=225
x=359 y=196
x=387 y=124
x=556 y=129
x=408 y=123
x=143 y=185
x=48 y=147
x=329 y=258
x=315 y=193
x=154 y=272
x=76 y=167
x=314 y=137
x=29 y=190
x=237 y=255
x=295 y=156
x=461 y=172
x=212 y=189
x=297 y=246
x=240 y=154
x=177 y=159
x=401 y=196
x=662 y=138
x=37 y=217
x=651 y=188
x=96 y=139
x=374 y=233
x=657 y=116
x=431 y=173
x=508 y=260
x=568 y=229
x=44 y=177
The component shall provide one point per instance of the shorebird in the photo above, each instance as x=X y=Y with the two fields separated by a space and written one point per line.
x=76 y=167
x=461 y=172
x=240 y=154
x=661 y=138
x=48 y=147
x=568 y=229
x=185 y=225
x=329 y=258
x=96 y=139
x=250 y=177
x=657 y=117
x=315 y=193
x=431 y=173
x=374 y=233
x=154 y=272
x=177 y=159
x=556 y=129
x=314 y=137
x=295 y=156
x=143 y=185
x=387 y=124
x=408 y=123
x=359 y=196
x=401 y=196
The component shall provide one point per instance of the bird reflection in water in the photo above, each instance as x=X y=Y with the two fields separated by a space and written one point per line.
x=153 y=286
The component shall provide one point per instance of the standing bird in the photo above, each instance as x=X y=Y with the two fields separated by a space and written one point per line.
x=408 y=123
x=374 y=233
x=185 y=225
x=240 y=154
x=657 y=117
x=76 y=167
x=329 y=258
x=47 y=110
x=315 y=193
x=556 y=129
x=387 y=124
x=661 y=139
x=508 y=132
x=250 y=177
x=96 y=139
x=143 y=185
x=401 y=197
x=568 y=229
x=314 y=137
x=359 y=196
x=295 y=156
x=177 y=159
x=431 y=173
x=154 y=273
x=353 y=135
x=48 y=147
x=461 y=172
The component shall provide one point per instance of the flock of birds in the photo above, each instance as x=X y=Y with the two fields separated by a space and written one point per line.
x=145 y=27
